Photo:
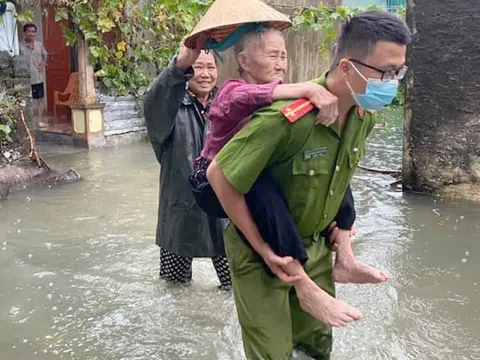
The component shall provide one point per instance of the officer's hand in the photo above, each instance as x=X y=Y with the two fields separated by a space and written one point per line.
x=186 y=56
x=325 y=101
x=275 y=263
x=333 y=232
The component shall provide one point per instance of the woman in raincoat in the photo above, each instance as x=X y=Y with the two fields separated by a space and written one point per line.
x=176 y=107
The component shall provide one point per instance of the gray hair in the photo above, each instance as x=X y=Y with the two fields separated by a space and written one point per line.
x=252 y=40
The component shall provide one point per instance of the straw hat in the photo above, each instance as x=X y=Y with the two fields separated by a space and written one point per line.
x=225 y=16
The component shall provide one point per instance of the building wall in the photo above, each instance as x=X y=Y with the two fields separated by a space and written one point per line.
x=122 y=115
x=15 y=81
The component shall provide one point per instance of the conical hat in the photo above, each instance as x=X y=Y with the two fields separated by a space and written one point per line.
x=225 y=16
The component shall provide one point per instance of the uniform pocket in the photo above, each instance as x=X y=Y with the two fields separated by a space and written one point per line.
x=310 y=175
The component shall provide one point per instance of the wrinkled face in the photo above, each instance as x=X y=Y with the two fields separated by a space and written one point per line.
x=265 y=61
x=385 y=58
x=30 y=34
x=206 y=75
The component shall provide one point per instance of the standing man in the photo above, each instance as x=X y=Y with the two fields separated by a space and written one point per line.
x=37 y=57
x=176 y=107
x=312 y=167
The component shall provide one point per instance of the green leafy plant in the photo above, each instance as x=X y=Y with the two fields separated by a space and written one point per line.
x=129 y=39
x=8 y=111
x=328 y=20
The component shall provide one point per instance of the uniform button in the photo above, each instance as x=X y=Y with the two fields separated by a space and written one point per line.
x=331 y=192
x=311 y=172
x=355 y=150
x=337 y=169
x=324 y=216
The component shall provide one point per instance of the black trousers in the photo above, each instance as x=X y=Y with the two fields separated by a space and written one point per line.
x=269 y=211
x=176 y=268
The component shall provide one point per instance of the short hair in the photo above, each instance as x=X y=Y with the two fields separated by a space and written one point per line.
x=252 y=39
x=360 y=34
x=28 y=26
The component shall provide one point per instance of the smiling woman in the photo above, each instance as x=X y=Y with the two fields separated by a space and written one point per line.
x=205 y=76
x=177 y=124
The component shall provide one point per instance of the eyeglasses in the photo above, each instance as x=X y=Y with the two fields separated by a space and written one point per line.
x=388 y=75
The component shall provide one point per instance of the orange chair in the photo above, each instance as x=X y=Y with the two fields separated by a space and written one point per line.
x=71 y=94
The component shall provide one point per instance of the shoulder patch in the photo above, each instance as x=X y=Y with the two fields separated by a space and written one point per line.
x=297 y=109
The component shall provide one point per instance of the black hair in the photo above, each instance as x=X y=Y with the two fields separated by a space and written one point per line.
x=28 y=26
x=360 y=33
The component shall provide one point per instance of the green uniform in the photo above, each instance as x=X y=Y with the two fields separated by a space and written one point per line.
x=312 y=166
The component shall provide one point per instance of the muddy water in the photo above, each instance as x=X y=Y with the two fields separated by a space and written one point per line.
x=80 y=270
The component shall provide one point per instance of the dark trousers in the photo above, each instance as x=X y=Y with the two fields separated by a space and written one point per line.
x=269 y=211
x=176 y=268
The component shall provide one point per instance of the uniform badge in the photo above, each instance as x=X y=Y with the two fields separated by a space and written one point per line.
x=314 y=153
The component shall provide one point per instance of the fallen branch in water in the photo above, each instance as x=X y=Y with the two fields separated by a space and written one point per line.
x=382 y=171
x=34 y=155
x=395 y=184
x=31 y=171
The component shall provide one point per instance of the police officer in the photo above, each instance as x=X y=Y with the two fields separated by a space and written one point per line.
x=312 y=167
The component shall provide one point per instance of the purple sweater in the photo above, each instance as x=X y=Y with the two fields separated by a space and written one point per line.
x=231 y=109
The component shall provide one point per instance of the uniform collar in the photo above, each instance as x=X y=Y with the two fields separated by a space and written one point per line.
x=355 y=114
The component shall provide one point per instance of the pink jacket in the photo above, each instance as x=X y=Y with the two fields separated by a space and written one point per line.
x=231 y=109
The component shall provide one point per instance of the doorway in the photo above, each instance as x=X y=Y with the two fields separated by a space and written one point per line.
x=61 y=63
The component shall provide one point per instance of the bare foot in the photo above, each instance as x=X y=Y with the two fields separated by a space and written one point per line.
x=322 y=306
x=356 y=272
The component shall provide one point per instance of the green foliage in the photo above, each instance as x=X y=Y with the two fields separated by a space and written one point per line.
x=127 y=38
x=25 y=16
x=8 y=111
x=328 y=20
x=400 y=99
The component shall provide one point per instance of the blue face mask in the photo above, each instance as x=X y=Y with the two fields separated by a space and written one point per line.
x=378 y=93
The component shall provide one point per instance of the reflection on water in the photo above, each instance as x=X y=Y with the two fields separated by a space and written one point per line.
x=80 y=270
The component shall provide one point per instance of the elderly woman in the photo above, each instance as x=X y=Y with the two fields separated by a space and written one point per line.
x=176 y=106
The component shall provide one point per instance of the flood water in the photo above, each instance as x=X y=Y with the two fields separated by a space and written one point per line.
x=80 y=270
